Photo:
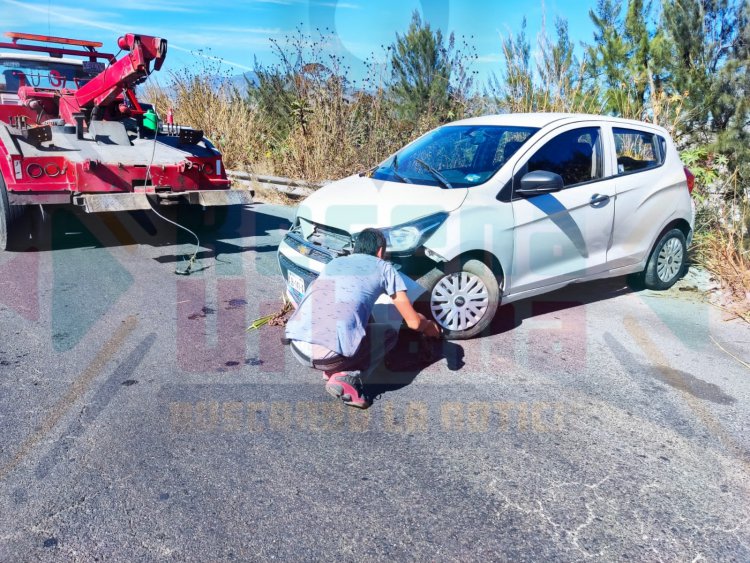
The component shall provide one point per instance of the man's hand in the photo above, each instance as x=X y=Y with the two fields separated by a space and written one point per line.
x=429 y=328
x=414 y=320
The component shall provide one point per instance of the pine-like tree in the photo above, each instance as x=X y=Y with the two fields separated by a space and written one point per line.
x=704 y=36
x=607 y=57
x=425 y=73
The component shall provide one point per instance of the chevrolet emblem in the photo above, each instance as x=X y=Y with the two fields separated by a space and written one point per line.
x=303 y=250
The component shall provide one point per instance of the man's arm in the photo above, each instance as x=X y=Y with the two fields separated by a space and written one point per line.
x=414 y=320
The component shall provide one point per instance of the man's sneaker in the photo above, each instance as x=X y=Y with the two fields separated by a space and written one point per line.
x=329 y=374
x=349 y=389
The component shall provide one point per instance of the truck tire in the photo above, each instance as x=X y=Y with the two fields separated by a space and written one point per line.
x=10 y=219
x=666 y=264
x=461 y=297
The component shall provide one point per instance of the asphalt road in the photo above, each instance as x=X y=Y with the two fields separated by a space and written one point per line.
x=140 y=422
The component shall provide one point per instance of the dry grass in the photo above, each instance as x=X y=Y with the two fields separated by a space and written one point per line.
x=220 y=111
x=270 y=195
x=722 y=240
x=725 y=252
x=316 y=123
x=304 y=118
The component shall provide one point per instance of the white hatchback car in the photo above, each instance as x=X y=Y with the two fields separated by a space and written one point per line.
x=494 y=209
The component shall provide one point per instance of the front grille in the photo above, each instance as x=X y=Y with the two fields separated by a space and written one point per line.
x=306 y=249
x=337 y=240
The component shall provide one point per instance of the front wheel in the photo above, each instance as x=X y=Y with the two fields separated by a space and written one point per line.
x=667 y=261
x=462 y=299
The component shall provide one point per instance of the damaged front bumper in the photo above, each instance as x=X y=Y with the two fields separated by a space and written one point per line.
x=301 y=262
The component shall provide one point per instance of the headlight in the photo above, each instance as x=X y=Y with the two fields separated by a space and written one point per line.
x=405 y=239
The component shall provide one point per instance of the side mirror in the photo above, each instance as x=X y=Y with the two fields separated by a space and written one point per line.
x=539 y=182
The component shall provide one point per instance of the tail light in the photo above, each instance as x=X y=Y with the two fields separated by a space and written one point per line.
x=212 y=167
x=690 y=177
x=41 y=168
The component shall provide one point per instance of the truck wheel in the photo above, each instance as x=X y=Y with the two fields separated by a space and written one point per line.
x=461 y=298
x=666 y=264
x=10 y=219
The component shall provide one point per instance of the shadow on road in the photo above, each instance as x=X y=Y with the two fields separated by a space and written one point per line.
x=64 y=228
x=511 y=316
x=411 y=355
x=407 y=360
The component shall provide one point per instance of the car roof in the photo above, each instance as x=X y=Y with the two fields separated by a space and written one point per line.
x=541 y=120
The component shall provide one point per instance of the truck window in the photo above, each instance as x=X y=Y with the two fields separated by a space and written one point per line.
x=40 y=74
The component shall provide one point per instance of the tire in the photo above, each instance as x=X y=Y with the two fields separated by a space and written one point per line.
x=666 y=264
x=10 y=219
x=452 y=290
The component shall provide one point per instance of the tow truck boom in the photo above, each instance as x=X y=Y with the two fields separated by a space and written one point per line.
x=123 y=75
x=100 y=97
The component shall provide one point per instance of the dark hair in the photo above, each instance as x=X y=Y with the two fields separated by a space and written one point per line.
x=369 y=242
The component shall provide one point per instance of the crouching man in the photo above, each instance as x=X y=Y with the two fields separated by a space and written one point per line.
x=330 y=331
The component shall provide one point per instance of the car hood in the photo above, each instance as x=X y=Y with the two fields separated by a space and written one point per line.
x=356 y=202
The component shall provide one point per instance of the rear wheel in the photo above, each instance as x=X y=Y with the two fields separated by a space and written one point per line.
x=667 y=262
x=10 y=219
x=462 y=298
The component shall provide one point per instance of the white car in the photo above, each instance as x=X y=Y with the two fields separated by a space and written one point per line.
x=494 y=209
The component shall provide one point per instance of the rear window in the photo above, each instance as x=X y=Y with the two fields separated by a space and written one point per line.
x=638 y=150
x=40 y=74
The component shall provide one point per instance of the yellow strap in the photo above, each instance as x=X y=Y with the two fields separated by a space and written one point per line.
x=257 y=323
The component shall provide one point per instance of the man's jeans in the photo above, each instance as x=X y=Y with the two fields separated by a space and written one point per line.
x=378 y=341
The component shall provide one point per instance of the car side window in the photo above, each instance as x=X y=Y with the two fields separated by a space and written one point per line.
x=575 y=155
x=637 y=150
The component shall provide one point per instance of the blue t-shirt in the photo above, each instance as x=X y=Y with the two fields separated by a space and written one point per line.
x=336 y=308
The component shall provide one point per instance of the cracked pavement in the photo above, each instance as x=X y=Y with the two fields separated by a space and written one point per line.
x=141 y=422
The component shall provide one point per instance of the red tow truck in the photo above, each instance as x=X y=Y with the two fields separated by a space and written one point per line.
x=72 y=131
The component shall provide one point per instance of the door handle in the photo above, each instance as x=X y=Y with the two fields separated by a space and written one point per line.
x=599 y=200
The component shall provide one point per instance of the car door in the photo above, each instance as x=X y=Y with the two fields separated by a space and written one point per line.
x=564 y=235
x=648 y=192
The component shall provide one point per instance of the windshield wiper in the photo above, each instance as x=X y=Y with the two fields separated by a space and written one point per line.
x=394 y=165
x=437 y=175
x=369 y=171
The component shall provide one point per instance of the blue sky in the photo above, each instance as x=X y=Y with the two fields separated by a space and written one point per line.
x=239 y=31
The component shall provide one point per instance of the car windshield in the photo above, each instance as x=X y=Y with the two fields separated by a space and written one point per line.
x=455 y=156
x=40 y=74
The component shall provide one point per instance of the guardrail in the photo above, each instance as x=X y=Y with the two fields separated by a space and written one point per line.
x=287 y=186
